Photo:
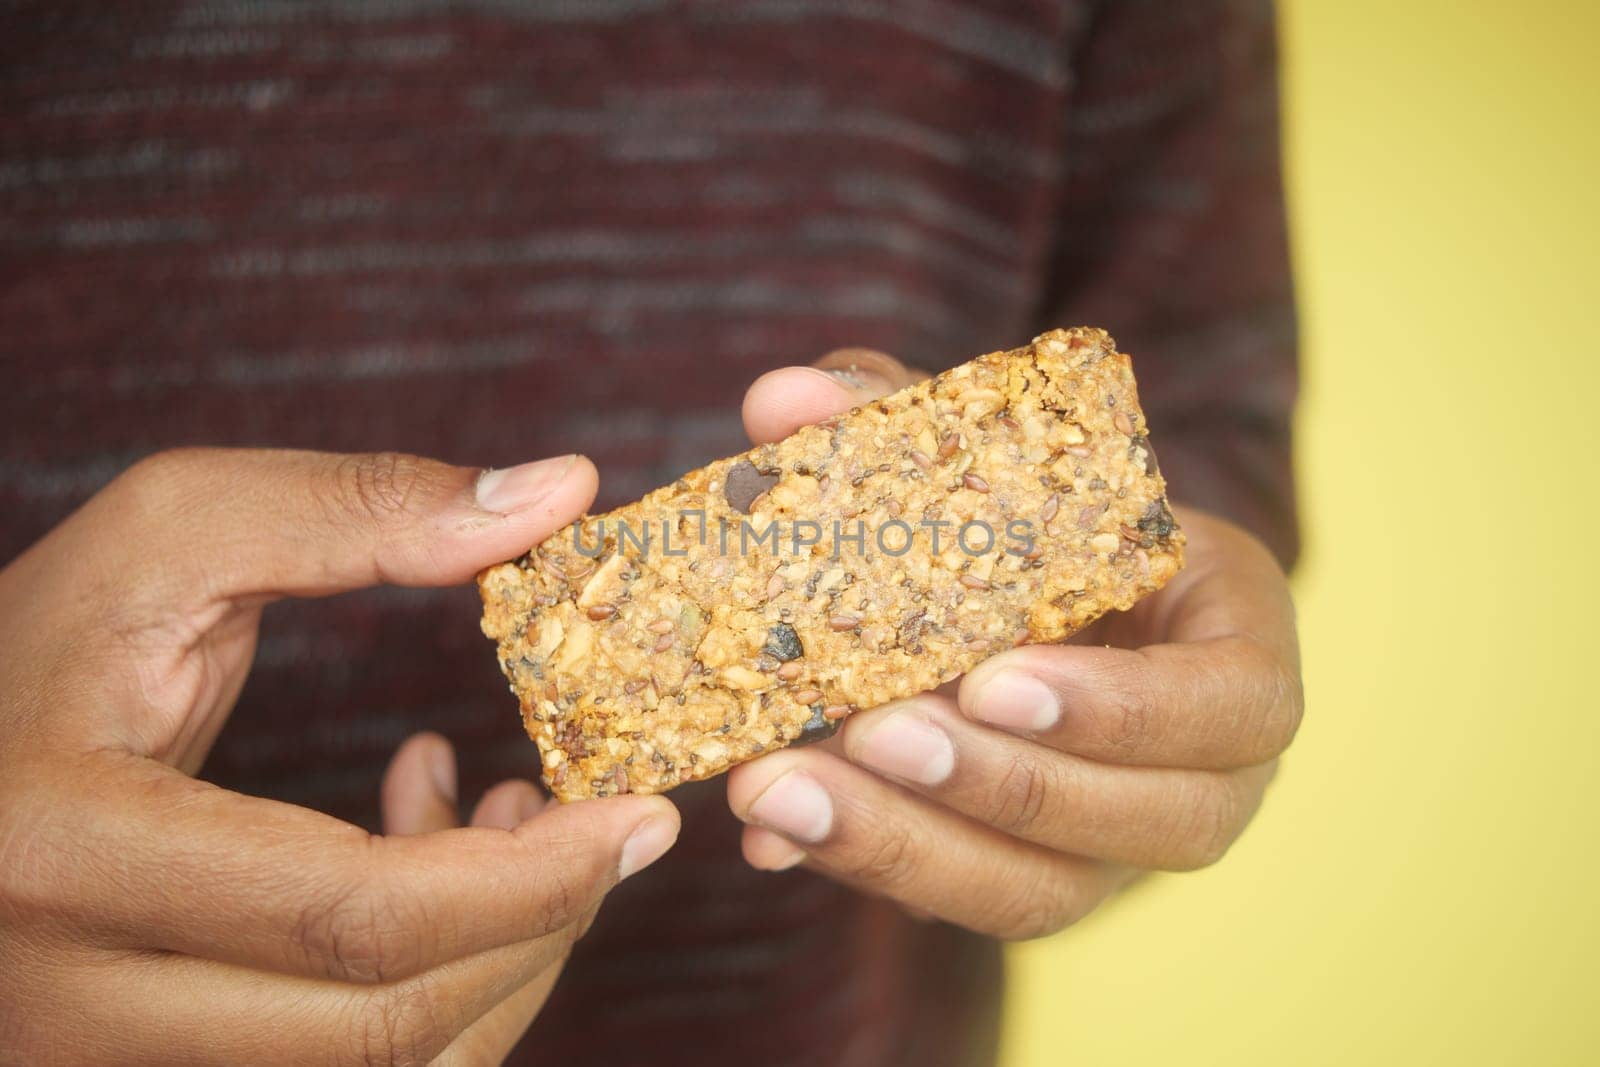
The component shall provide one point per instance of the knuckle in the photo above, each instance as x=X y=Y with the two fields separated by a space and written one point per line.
x=361 y=936
x=1281 y=698
x=1290 y=702
x=374 y=486
x=404 y=1024
x=569 y=880
x=562 y=904
x=1020 y=796
x=1048 y=906
x=1124 y=710
x=1211 y=829
x=885 y=862
x=1125 y=719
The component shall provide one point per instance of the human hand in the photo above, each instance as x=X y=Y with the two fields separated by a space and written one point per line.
x=149 y=917
x=1015 y=803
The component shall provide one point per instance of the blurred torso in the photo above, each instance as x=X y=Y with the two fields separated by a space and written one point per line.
x=500 y=231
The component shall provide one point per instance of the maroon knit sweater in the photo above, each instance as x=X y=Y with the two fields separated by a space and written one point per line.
x=492 y=230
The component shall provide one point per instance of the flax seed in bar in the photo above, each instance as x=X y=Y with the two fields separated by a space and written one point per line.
x=758 y=601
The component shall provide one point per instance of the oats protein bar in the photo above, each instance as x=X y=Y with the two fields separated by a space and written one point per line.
x=756 y=602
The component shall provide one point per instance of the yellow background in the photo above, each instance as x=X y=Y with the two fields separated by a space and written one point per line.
x=1421 y=886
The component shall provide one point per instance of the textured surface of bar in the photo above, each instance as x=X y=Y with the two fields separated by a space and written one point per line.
x=756 y=602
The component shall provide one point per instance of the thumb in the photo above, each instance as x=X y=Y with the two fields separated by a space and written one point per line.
x=230 y=524
x=781 y=401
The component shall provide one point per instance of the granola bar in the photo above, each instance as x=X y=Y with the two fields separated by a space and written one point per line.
x=756 y=602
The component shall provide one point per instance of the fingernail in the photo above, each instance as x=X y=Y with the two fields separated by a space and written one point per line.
x=909 y=747
x=785 y=861
x=795 y=806
x=442 y=770
x=860 y=381
x=514 y=488
x=1017 y=701
x=648 y=843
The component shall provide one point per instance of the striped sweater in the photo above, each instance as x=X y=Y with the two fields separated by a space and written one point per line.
x=489 y=230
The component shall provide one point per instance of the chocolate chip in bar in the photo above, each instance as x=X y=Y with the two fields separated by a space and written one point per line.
x=817 y=728
x=1011 y=500
x=783 y=644
x=745 y=485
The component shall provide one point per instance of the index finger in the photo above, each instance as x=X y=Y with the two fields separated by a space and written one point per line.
x=193 y=868
x=1222 y=692
x=188 y=528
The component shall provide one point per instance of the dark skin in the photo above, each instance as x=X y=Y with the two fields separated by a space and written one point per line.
x=1017 y=800
x=147 y=916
